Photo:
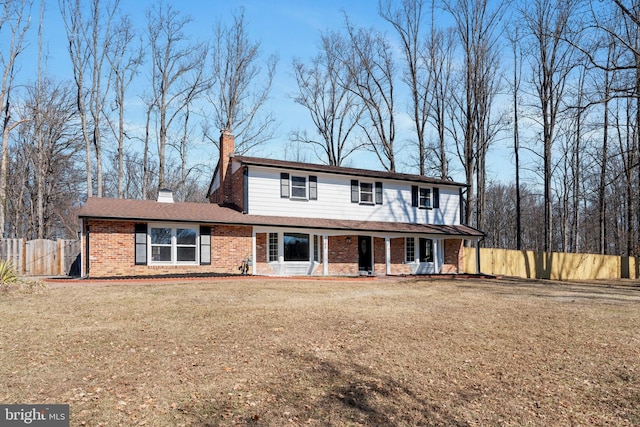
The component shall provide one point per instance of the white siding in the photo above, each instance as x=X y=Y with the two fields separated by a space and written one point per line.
x=334 y=199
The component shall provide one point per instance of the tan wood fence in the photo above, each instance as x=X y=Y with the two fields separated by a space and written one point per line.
x=551 y=265
x=41 y=257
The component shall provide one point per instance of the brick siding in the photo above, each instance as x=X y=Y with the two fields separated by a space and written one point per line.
x=398 y=265
x=452 y=256
x=112 y=251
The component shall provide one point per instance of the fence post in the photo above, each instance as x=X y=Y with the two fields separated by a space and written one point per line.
x=23 y=255
x=60 y=251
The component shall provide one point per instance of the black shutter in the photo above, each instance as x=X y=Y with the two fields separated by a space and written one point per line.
x=436 y=198
x=414 y=195
x=313 y=187
x=284 y=185
x=378 y=193
x=205 y=245
x=140 y=244
x=355 y=191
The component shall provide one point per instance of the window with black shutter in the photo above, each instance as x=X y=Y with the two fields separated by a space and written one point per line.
x=425 y=198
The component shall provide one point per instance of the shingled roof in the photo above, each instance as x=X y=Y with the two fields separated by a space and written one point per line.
x=259 y=161
x=209 y=213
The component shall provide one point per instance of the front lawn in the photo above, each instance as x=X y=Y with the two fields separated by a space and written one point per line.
x=313 y=352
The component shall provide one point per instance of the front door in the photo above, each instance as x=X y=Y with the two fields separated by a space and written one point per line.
x=365 y=257
x=426 y=250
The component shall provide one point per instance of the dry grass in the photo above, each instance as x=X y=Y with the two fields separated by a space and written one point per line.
x=378 y=352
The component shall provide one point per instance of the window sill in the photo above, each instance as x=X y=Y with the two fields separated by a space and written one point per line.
x=172 y=264
x=367 y=204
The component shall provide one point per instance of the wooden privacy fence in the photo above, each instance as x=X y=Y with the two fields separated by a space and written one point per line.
x=41 y=257
x=551 y=265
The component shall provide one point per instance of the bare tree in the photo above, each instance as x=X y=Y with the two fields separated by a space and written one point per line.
x=371 y=67
x=552 y=58
x=439 y=57
x=406 y=19
x=14 y=23
x=88 y=33
x=477 y=26
x=241 y=89
x=48 y=146
x=514 y=39
x=125 y=57
x=178 y=72
x=606 y=93
x=334 y=109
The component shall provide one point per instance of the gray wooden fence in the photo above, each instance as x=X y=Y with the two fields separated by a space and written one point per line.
x=41 y=257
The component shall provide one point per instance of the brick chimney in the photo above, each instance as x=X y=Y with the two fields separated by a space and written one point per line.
x=227 y=148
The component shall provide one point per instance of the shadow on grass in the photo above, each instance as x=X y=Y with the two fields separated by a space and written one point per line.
x=603 y=292
x=361 y=395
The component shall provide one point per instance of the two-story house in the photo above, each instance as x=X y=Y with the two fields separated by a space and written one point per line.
x=288 y=218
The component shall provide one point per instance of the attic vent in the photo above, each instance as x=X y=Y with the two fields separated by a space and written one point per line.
x=165 y=196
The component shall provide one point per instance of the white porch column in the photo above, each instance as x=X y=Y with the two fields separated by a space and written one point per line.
x=387 y=255
x=254 y=264
x=325 y=255
x=436 y=256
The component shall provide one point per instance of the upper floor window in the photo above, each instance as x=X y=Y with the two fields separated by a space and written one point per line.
x=366 y=193
x=299 y=187
x=425 y=198
x=295 y=187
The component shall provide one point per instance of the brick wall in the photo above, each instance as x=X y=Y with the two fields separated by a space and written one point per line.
x=260 y=263
x=112 y=251
x=343 y=256
x=452 y=256
x=379 y=256
x=235 y=197
x=398 y=265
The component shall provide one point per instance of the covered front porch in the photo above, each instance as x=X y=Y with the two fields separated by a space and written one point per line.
x=284 y=251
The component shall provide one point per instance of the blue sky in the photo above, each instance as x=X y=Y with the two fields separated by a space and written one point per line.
x=288 y=28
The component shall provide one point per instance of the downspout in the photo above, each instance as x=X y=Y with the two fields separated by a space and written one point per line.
x=85 y=250
x=478 y=257
x=478 y=241
x=254 y=252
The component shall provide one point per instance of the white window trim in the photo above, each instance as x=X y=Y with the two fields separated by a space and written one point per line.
x=306 y=187
x=278 y=239
x=430 y=199
x=174 y=244
x=406 y=260
x=373 y=192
